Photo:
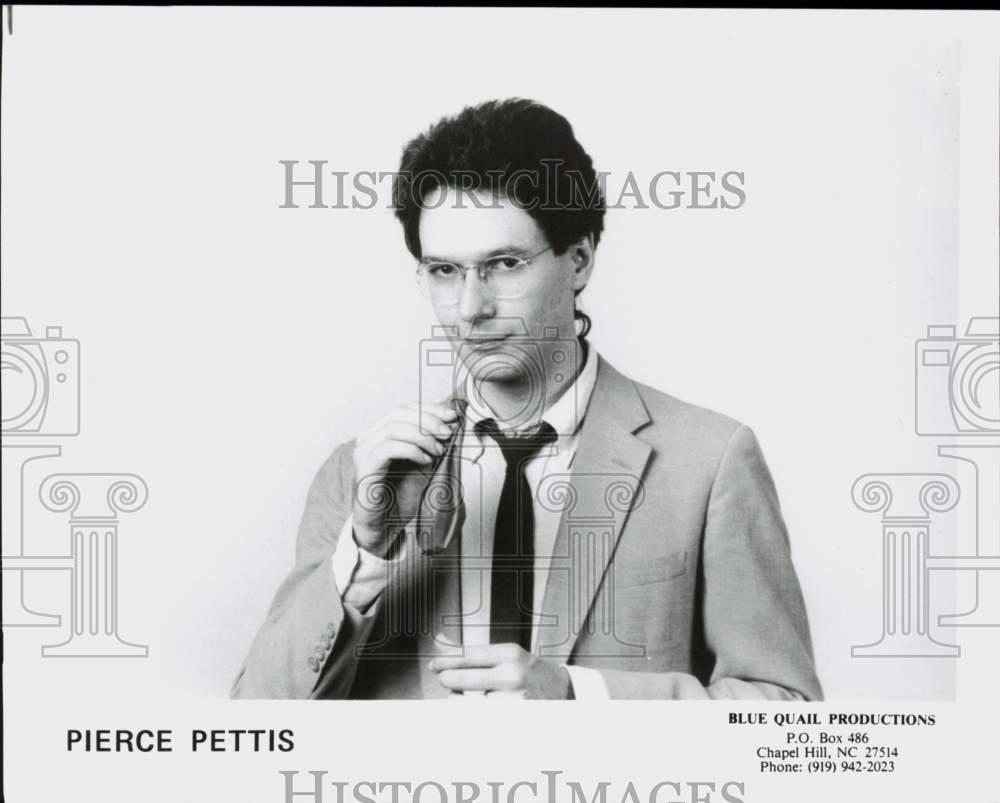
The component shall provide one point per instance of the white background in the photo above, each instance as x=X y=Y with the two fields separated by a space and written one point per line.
x=229 y=345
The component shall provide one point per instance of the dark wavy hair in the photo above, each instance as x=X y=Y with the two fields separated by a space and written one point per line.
x=501 y=146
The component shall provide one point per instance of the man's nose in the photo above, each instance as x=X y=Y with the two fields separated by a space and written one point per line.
x=477 y=298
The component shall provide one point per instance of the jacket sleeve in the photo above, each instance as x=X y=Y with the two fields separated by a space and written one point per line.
x=754 y=621
x=306 y=646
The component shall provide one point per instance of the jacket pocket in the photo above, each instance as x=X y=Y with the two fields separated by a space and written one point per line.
x=650 y=570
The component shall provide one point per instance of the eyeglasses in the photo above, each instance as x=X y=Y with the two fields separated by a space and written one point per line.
x=506 y=275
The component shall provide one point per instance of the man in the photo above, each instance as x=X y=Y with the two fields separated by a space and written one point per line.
x=552 y=529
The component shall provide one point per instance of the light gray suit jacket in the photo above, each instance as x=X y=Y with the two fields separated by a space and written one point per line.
x=671 y=575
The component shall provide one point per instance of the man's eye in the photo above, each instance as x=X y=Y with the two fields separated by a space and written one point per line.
x=505 y=263
x=442 y=270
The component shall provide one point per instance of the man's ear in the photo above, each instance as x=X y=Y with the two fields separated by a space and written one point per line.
x=582 y=256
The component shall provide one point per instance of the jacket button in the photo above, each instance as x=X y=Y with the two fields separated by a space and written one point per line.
x=325 y=641
x=313 y=664
x=330 y=629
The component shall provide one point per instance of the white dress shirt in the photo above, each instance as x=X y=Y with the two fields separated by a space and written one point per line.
x=361 y=576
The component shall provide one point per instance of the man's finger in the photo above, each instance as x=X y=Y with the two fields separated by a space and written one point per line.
x=400 y=450
x=436 y=419
x=492 y=679
x=478 y=656
x=405 y=431
x=444 y=411
x=428 y=421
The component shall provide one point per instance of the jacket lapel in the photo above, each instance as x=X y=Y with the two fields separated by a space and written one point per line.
x=604 y=486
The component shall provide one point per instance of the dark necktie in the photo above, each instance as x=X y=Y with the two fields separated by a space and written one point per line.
x=513 y=566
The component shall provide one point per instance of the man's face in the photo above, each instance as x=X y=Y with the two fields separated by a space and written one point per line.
x=495 y=337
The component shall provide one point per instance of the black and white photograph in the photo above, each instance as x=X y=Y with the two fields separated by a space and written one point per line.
x=369 y=372
x=517 y=490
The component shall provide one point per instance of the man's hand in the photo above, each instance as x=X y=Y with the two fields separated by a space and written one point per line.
x=393 y=461
x=503 y=668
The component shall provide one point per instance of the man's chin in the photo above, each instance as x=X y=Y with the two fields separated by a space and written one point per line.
x=498 y=371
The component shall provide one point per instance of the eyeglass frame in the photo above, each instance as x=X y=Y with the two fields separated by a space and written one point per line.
x=479 y=267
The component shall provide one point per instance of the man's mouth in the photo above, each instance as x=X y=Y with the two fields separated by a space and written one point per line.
x=481 y=344
x=476 y=340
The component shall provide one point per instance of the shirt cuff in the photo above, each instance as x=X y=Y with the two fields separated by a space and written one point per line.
x=360 y=576
x=588 y=684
